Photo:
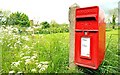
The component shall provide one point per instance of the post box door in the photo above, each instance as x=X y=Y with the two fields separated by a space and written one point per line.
x=86 y=55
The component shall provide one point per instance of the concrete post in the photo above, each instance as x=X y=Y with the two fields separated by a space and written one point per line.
x=72 y=34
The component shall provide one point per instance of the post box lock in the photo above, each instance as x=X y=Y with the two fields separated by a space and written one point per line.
x=89 y=37
x=85 y=32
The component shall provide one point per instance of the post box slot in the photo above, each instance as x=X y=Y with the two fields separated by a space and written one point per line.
x=77 y=30
x=86 y=18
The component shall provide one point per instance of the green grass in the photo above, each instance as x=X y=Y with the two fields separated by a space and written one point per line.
x=51 y=48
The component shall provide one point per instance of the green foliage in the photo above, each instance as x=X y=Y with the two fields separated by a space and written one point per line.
x=53 y=23
x=53 y=50
x=0 y=17
x=45 y=25
x=113 y=21
x=5 y=20
x=53 y=27
x=53 y=30
x=18 y=18
x=113 y=13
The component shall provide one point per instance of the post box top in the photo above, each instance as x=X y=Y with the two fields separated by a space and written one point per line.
x=87 y=10
x=88 y=7
x=93 y=11
x=89 y=18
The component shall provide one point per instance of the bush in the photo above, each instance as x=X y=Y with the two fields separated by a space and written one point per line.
x=53 y=30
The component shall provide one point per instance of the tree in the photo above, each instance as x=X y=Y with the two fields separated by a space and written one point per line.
x=65 y=27
x=18 y=18
x=1 y=16
x=45 y=25
x=6 y=14
x=53 y=23
x=114 y=14
x=113 y=21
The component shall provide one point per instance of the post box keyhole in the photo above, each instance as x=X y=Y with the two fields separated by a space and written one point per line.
x=85 y=32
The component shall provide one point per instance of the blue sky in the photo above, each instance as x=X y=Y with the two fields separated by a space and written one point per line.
x=47 y=10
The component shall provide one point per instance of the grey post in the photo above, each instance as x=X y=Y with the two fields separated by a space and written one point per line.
x=72 y=9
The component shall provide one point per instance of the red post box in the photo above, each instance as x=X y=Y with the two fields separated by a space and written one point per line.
x=89 y=37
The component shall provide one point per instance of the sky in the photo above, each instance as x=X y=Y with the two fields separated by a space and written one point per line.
x=47 y=10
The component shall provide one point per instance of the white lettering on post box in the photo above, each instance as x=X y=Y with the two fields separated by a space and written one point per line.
x=85 y=46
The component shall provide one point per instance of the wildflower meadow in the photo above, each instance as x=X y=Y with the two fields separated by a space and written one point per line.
x=48 y=53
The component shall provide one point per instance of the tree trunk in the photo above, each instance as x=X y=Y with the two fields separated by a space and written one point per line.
x=113 y=27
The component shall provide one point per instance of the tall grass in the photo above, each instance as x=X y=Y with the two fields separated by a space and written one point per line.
x=48 y=53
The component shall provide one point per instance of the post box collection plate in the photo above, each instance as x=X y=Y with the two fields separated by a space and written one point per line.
x=85 y=46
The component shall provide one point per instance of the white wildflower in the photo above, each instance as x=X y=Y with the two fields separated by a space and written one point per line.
x=0 y=41
x=44 y=67
x=36 y=63
x=28 y=61
x=19 y=61
x=18 y=42
x=35 y=54
x=22 y=54
x=11 y=47
x=34 y=70
x=15 y=44
x=45 y=63
x=33 y=57
x=16 y=36
x=19 y=73
x=25 y=38
x=16 y=64
x=39 y=66
x=26 y=47
x=9 y=32
x=33 y=35
x=11 y=71
x=26 y=57
x=8 y=45
x=30 y=29
x=34 y=51
x=15 y=30
x=36 y=27
x=5 y=30
x=1 y=30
